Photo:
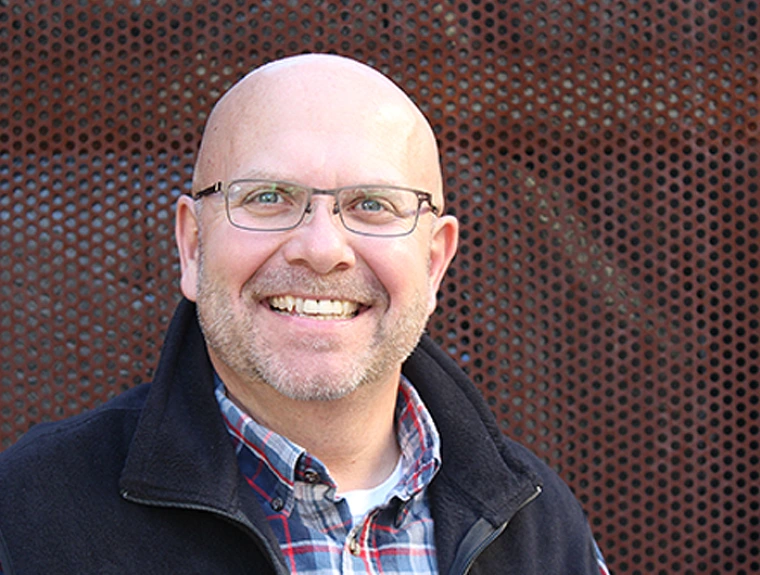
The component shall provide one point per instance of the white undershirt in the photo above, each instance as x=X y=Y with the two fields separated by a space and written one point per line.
x=360 y=501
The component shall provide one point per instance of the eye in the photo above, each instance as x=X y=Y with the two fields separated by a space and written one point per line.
x=369 y=203
x=269 y=196
x=266 y=195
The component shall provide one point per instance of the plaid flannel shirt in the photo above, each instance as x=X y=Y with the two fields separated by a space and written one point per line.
x=314 y=528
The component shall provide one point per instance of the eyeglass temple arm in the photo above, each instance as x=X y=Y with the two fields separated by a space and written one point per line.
x=217 y=187
x=427 y=197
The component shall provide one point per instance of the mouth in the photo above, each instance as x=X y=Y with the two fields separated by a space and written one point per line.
x=323 y=309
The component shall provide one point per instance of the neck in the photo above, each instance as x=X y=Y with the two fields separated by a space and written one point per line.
x=355 y=436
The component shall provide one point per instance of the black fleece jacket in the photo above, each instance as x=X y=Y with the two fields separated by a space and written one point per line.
x=148 y=484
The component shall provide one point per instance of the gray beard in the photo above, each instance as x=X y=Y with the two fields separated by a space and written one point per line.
x=240 y=345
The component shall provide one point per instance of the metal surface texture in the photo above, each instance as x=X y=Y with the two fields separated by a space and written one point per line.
x=601 y=156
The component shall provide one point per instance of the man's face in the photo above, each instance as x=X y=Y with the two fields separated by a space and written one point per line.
x=317 y=311
x=306 y=334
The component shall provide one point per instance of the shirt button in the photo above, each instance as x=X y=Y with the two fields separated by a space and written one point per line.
x=354 y=547
x=277 y=504
x=311 y=476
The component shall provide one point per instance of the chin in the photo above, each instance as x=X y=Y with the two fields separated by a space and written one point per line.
x=321 y=387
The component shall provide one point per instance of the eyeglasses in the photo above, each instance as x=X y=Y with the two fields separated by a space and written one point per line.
x=272 y=206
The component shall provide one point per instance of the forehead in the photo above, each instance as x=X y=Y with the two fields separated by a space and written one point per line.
x=322 y=127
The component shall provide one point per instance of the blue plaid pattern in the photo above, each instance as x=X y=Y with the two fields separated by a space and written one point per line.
x=315 y=530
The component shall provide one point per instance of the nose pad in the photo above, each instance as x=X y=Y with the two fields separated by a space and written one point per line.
x=310 y=211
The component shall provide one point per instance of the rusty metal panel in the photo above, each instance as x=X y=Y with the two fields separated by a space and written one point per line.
x=601 y=156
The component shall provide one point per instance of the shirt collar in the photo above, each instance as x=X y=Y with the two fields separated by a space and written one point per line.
x=415 y=430
x=278 y=453
x=418 y=439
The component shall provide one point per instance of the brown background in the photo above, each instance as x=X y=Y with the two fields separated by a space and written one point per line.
x=602 y=157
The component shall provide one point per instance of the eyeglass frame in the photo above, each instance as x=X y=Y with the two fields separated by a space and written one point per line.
x=219 y=186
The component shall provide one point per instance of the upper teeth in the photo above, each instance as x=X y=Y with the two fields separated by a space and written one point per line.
x=314 y=307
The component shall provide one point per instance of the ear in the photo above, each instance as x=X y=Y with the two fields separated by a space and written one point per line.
x=186 y=230
x=443 y=246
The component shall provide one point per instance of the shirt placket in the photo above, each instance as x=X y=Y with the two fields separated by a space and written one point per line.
x=358 y=556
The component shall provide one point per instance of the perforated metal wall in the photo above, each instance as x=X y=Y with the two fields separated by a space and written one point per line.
x=602 y=157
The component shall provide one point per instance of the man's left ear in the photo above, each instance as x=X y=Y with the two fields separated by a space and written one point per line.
x=443 y=246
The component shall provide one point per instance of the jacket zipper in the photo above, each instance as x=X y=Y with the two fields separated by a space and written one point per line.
x=256 y=534
x=496 y=532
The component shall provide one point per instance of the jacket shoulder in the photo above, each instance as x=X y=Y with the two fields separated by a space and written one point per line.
x=110 y=424
x=57 y=471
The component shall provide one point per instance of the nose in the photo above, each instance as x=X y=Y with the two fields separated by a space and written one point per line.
x=320 y=241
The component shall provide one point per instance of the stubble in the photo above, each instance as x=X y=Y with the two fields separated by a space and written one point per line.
x=236 y=340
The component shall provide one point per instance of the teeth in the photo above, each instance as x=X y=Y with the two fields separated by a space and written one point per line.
x=314 y=308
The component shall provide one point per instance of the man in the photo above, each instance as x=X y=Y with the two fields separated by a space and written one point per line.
x=288 y=429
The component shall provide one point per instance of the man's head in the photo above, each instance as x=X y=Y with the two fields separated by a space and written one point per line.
x=318 y=310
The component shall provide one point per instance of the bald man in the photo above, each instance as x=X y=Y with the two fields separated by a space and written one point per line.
x=299 y=421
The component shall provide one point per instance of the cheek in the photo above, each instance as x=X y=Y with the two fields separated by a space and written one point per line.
x=402 y=269
x=232 y=258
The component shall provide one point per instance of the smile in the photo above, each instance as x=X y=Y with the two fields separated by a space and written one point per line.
x=314 y=308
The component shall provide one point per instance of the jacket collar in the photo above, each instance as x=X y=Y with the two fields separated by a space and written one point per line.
x=485 y=479
x=473 y=450
x=181 y=452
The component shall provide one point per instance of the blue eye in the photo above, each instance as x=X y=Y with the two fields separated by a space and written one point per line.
x=370 y=205
x=265 y=197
